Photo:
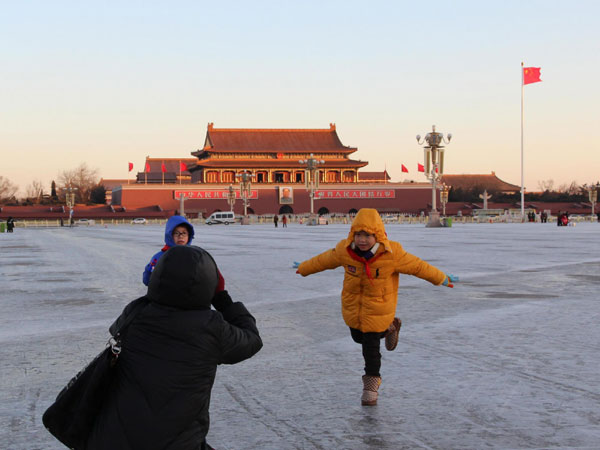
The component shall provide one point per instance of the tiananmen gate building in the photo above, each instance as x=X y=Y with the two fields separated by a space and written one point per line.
x=273 y=157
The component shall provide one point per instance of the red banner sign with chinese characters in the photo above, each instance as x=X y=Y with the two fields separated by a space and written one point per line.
x=210 y=195
x=355 y=193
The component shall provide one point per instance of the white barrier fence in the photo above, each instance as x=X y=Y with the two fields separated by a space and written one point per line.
x=268 y=219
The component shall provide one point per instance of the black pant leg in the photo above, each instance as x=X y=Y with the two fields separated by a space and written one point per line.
x=357 y=335
x=370 y=350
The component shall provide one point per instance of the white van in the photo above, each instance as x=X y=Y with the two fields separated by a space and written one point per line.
x=225 y=217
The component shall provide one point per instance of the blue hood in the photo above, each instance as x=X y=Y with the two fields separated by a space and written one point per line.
x=174 y=222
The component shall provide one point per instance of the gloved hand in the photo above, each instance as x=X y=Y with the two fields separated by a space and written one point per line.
x=220 y=283
x=295 y=265
x=222 y=300
x=449 y=280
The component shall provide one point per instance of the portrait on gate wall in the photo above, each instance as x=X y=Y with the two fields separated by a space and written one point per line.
x=286 y=195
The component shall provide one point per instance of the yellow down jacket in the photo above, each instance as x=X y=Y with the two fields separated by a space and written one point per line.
x=369 y=302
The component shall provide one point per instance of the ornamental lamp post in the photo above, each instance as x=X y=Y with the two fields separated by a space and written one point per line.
x=311 y=178
x=231 y=197
x=433 y=154
x=245 y=188
x=444 y=196
x=592 y=195
x=70 y=201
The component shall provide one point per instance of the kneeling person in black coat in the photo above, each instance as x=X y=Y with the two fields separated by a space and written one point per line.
x=171 y=350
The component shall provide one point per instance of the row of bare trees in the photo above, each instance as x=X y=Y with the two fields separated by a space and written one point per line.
x=567 y=192
x=83 y=181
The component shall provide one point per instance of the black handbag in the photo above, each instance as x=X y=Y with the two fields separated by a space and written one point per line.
x=71 y=417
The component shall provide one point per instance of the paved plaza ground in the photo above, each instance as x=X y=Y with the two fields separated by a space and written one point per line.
x=509 y=359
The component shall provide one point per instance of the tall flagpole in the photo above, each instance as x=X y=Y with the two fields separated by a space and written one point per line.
x=522 y=176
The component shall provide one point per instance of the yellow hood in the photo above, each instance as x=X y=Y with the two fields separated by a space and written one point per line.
x=369 y=220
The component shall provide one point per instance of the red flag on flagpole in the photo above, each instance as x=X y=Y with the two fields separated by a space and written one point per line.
x=531 y=75
x=130 y=167
x=163 y=169
x=182 y=166
x=420 y=167
x=404 y=169
x=147 y=167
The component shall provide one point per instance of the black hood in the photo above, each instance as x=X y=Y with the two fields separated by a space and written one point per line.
x=185 y=277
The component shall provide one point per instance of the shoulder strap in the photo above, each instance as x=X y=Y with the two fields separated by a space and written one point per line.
x=130 y=312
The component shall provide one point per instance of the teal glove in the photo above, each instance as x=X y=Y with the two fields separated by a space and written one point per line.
x=295 y=265
x=449 y=280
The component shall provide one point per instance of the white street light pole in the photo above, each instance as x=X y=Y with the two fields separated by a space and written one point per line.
x=592 y=195
x=311 y=178
x=245 y=188
x=231 y=197
x=433 y=154
x=70 y=201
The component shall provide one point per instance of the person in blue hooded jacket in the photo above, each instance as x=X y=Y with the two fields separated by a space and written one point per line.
x=178 y=231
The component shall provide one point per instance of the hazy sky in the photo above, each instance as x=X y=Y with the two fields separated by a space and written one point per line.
x=110 y=82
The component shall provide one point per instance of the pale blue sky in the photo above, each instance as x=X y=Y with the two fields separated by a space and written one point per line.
x=107 y=83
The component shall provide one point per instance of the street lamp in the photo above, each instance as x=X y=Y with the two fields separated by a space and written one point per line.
x=70 y=201
x=231 y=197
x=245 y=182
x=444 y=197
x=311 y=177
x=592 y=195
x=433 y=154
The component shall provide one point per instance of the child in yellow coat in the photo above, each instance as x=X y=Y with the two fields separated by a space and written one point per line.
x=372 y=265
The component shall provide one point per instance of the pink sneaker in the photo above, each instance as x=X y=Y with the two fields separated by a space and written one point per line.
x=391 y=335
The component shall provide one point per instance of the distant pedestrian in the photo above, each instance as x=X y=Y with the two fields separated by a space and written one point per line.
x=372 y=265
x=284 y=221
x=10 y=224
x=275 y=220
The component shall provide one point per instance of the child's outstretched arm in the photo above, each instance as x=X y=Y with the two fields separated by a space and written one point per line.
x=413 y=265
x=324 y=261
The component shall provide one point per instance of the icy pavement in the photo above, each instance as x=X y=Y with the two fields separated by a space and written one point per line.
x=509 y=359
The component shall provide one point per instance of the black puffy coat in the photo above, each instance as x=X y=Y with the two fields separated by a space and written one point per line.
x=171 y=350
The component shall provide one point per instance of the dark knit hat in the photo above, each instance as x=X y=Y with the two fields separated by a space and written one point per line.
x=185 y=277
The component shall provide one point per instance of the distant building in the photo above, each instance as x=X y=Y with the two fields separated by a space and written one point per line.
x=490 y=182
x=273 y=158
x=109 y=185
x=273 y=155
x=374 y=177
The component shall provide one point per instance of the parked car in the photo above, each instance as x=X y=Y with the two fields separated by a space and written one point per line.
x=225 y=217
x=85 y=222
x=140 y=220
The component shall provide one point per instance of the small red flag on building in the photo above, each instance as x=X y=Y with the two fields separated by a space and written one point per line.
x=147 y=166
x=420 y=167
x=531 y=75
x=130 y=167
x=404 y=169
x=182 y=166
x=163 y=169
